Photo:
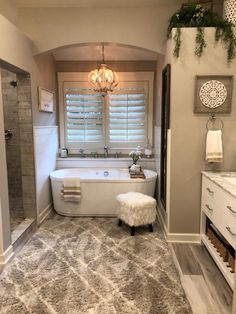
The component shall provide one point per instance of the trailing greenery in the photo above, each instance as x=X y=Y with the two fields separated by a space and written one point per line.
x=178 y=42
x=194 y=15
x=200 y=42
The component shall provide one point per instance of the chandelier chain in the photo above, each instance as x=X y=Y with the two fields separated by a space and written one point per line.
x=103 y=59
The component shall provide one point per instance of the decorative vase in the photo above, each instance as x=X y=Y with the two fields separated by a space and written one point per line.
x=230 y=11
x=135 y=168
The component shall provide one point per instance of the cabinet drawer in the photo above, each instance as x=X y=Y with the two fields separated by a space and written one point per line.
x=227 y=216
x=210 y=190
x=227 y=204
x=209 y=199
x=210 y=211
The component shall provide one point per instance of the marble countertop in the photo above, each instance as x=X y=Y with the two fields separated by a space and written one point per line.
x=220 y=178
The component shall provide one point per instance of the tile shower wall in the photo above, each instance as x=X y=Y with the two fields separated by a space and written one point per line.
x=20 y=151
x=13 y=151
x=26 y=145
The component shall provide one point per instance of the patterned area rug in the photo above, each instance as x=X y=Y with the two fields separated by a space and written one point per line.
x=90 y=265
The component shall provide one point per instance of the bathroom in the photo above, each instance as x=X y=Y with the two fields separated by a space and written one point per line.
x=45 y=44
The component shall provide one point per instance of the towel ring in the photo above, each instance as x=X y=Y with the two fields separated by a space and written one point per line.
x=211 y=121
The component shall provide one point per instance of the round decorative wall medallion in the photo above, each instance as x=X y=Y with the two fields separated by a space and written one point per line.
x=230 y=11
x=213 y=94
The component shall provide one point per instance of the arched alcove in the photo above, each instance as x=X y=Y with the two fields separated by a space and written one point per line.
x=90 y=51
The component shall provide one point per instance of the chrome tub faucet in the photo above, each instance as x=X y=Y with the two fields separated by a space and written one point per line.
x=106 y=148
x=81 y=152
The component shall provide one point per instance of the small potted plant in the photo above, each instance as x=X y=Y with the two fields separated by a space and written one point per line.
x=135 y=155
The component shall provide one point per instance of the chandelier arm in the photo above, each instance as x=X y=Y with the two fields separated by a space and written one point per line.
x=103 y=59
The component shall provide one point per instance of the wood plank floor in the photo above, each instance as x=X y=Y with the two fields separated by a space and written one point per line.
x=205 y=286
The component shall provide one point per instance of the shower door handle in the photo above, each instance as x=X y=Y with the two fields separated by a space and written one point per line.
x=8 y=135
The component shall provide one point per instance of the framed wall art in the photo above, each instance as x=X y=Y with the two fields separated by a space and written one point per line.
x=213 y=94
x=46 y=99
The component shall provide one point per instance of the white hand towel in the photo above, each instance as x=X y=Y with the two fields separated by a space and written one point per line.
x=214 y=147
x=71 y=191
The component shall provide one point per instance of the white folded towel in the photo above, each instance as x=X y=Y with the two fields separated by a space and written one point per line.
x=214 y=147
x=71 y=191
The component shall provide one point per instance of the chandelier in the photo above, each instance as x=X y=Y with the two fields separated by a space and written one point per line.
x=103 y=79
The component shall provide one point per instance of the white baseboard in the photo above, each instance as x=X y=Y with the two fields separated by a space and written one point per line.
x=183 y=237
x=7 y=255
x=177 y=237
x=44 y=214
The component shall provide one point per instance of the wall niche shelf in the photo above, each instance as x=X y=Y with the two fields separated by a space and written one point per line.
x=223 y=266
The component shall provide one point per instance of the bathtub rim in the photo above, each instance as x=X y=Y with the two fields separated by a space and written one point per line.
x=105 y=179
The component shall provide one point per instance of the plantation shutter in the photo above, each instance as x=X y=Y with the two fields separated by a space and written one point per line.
x=127 y=116
x=84 y=121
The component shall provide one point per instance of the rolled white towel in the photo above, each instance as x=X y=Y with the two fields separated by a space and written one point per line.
x=71 y=190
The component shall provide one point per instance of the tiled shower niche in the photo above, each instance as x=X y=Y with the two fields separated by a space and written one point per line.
x=16 y=93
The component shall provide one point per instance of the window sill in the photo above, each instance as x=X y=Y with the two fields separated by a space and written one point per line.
x=104 y=159
x=123 y=162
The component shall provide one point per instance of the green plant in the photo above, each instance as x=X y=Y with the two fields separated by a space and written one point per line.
x=194 y=15
x=177 y=39
x=200 y=42
x=135 y=155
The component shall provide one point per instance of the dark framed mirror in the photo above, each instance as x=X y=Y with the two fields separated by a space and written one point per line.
x=165 y=124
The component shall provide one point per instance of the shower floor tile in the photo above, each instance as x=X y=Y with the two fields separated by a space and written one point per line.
x=16 y=217
x=15 y=222
x=20 y=229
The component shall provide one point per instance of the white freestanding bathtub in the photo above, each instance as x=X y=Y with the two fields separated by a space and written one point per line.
x=99 y=187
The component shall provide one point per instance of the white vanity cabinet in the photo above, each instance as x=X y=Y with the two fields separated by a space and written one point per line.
x=218 y=203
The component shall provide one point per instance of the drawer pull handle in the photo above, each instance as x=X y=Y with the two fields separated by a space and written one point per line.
x=232 y=211
x=209 y=208
x=210 y=191
x=230 y=231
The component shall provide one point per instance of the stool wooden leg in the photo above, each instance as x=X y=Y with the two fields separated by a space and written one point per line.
x=132 y=231
x=150 y=227
x=119 y=222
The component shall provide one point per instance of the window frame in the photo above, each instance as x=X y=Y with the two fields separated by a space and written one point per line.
x=91 y=144
x=124 y=77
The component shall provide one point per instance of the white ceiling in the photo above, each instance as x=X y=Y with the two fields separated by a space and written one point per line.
x=91 y=3
x=111 y=53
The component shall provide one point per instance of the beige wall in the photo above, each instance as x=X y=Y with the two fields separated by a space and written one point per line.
x=188 y=130
x=45 y=76
x=55 y=27
x=9 y=10
x=16 y=49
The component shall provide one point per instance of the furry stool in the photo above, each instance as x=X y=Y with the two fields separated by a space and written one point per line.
x=136 y=209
